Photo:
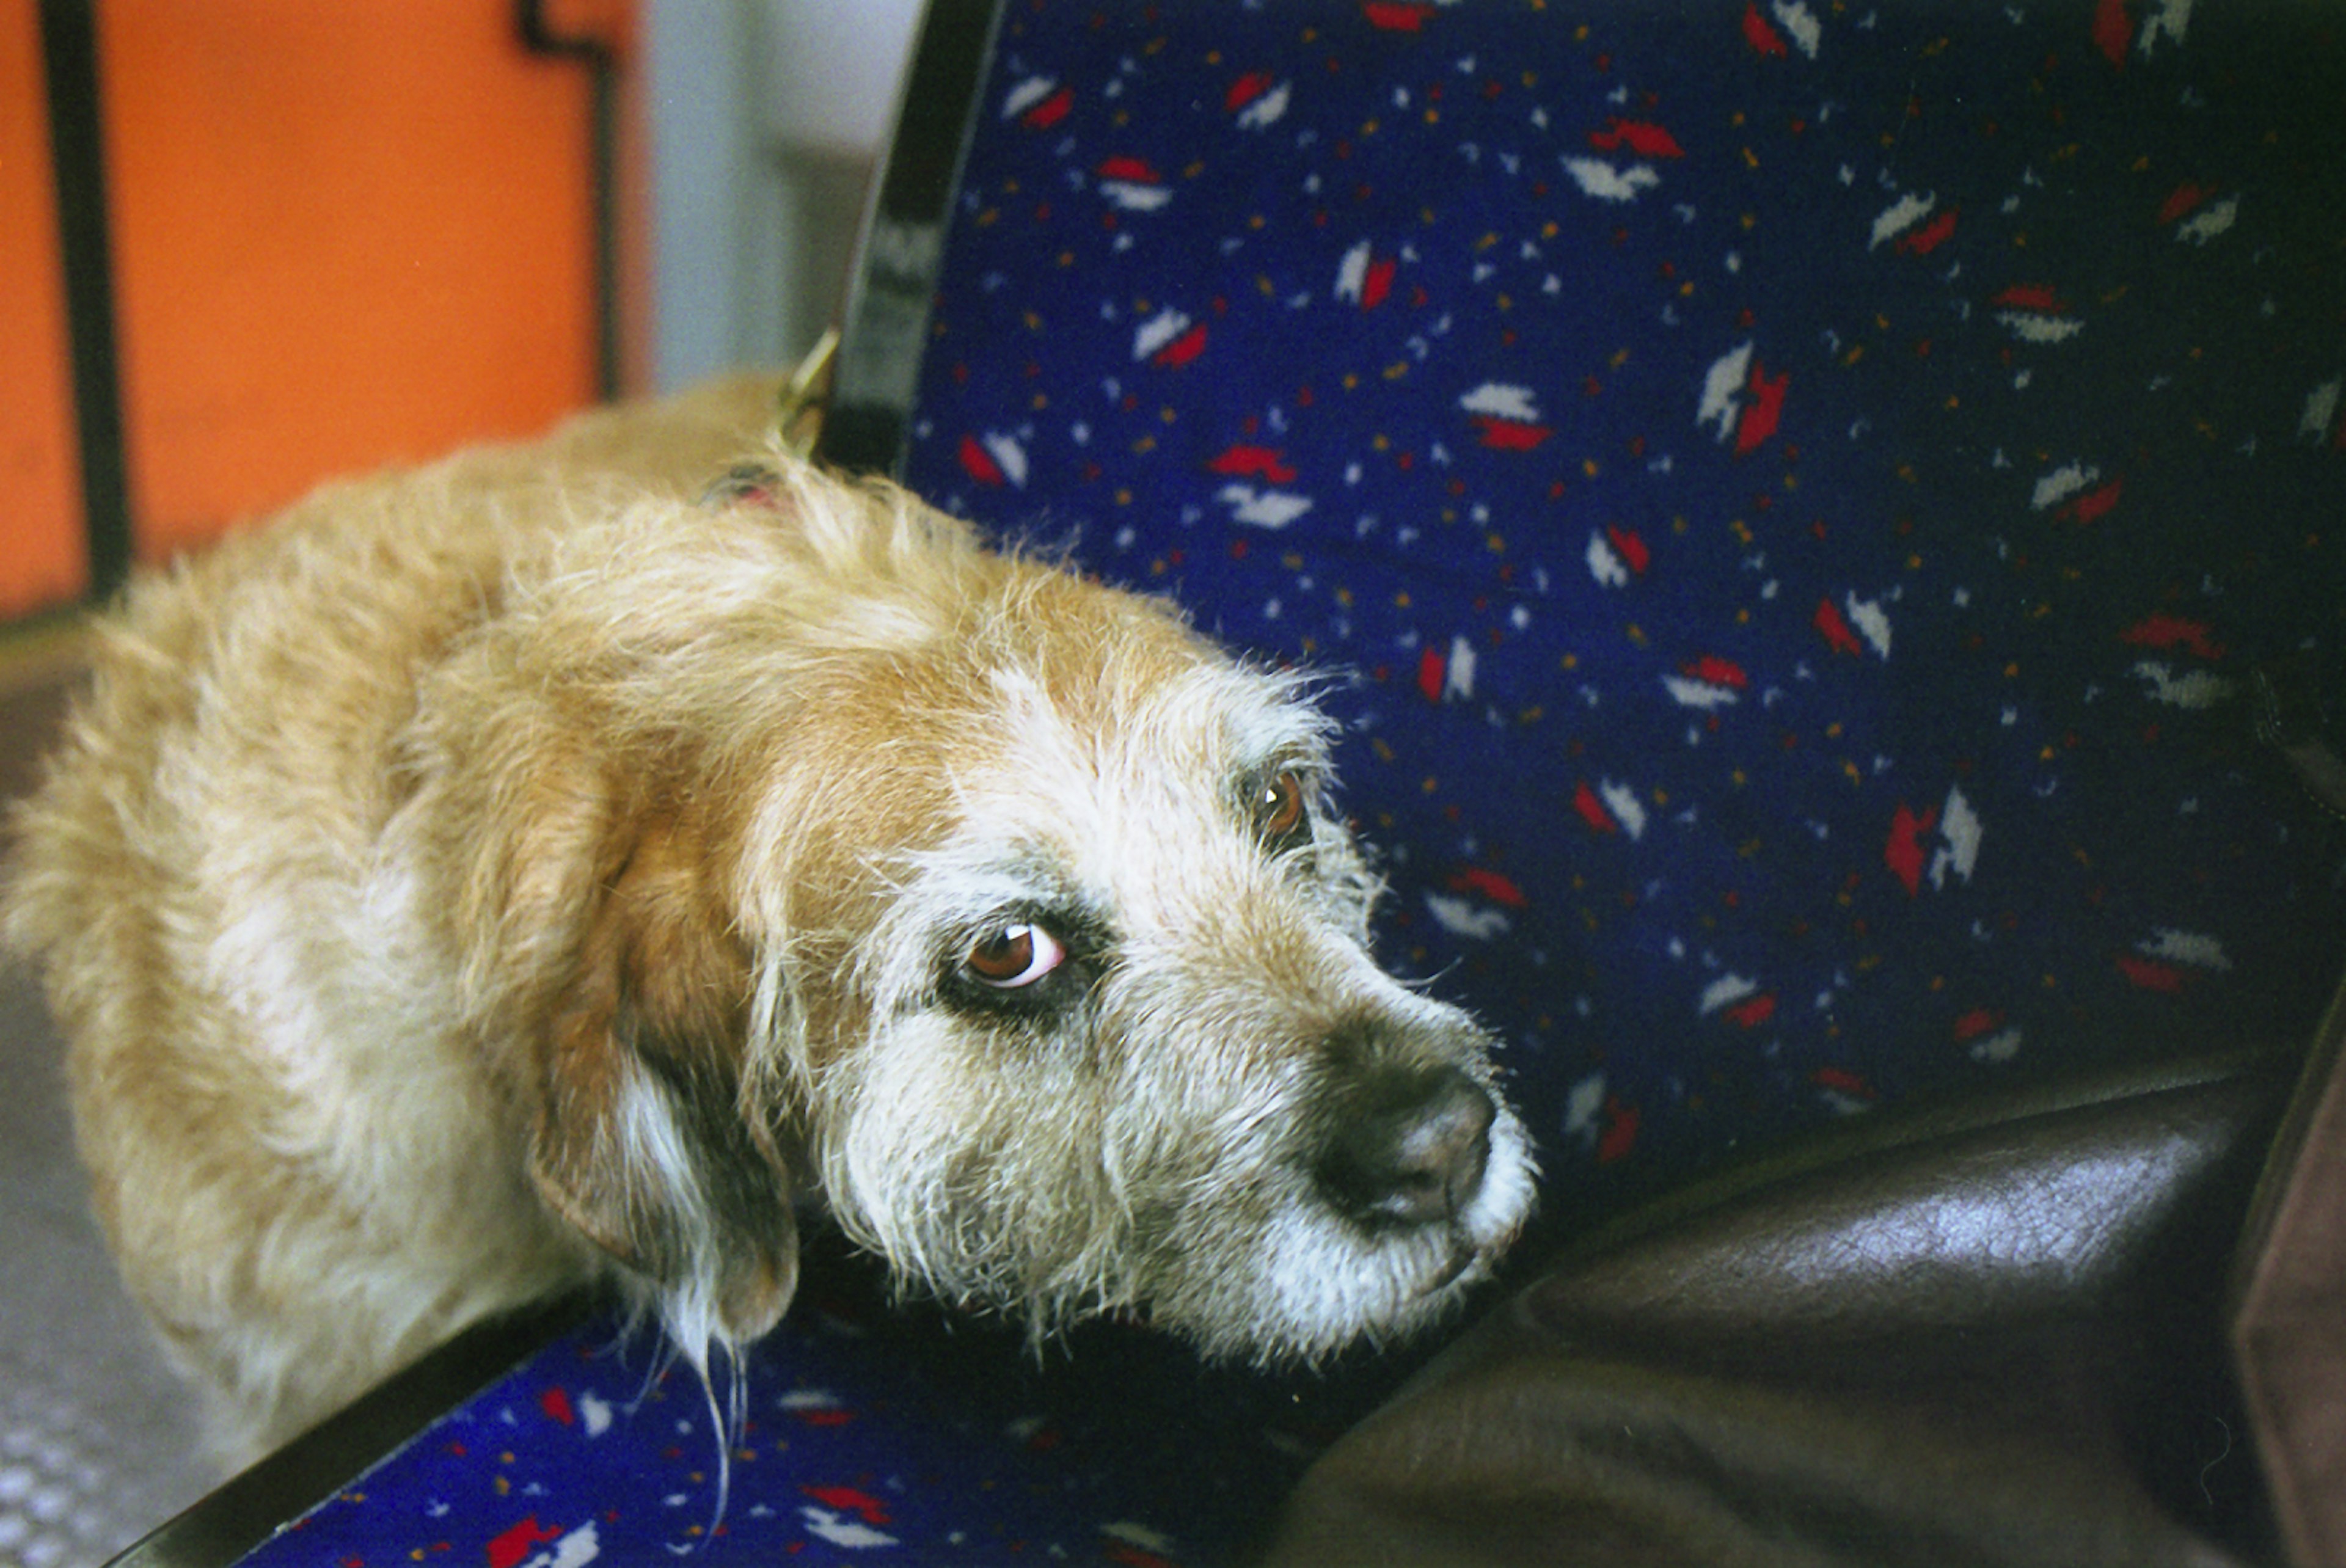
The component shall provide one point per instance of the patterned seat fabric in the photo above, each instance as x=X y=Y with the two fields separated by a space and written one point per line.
x=1793 y=492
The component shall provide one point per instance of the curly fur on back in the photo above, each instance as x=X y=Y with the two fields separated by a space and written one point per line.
x=537 y=868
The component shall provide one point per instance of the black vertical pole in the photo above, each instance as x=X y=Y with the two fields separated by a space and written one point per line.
x=77 y=156
x=602 y=132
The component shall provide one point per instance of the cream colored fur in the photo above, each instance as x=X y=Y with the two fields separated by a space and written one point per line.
x=528 y=869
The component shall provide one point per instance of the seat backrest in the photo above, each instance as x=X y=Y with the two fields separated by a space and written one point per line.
x=1793 y=492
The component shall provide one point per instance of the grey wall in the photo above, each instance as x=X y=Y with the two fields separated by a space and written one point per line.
x=764 y=119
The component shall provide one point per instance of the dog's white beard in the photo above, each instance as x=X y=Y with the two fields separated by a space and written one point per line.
x=1222 y=1236
x=1327 y=1283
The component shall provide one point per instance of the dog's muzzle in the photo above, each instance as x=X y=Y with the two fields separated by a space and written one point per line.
x=1407 y=1139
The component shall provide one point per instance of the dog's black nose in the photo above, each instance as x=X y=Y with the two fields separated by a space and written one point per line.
x=1409 y=1146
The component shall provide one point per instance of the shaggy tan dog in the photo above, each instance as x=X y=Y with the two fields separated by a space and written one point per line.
x=542 y=867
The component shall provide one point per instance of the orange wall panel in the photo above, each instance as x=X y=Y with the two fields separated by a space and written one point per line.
x=343 y=235
x=42 y=559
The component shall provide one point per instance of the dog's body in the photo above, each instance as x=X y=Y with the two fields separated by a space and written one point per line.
x=535 y=867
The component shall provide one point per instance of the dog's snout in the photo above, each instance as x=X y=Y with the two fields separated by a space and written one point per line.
x=1410 y=1147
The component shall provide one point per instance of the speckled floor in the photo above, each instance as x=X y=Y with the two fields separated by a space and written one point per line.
x=96 y=1438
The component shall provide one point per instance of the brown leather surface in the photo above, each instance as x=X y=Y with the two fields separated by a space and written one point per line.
x=1990 y=1336
x=2288 y=1333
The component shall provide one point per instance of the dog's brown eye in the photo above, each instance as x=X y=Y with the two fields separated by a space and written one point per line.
x=1014 y=956
x=1280 y=812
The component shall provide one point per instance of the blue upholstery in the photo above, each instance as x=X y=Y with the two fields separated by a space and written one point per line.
x=1798 y=490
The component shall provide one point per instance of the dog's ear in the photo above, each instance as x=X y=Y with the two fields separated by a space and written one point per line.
x=646 y=1141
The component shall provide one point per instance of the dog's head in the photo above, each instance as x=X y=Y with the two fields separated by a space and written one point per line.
x=1108 y=1035
x=996 y=904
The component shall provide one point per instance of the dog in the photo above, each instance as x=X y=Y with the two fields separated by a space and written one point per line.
x=548 y=868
